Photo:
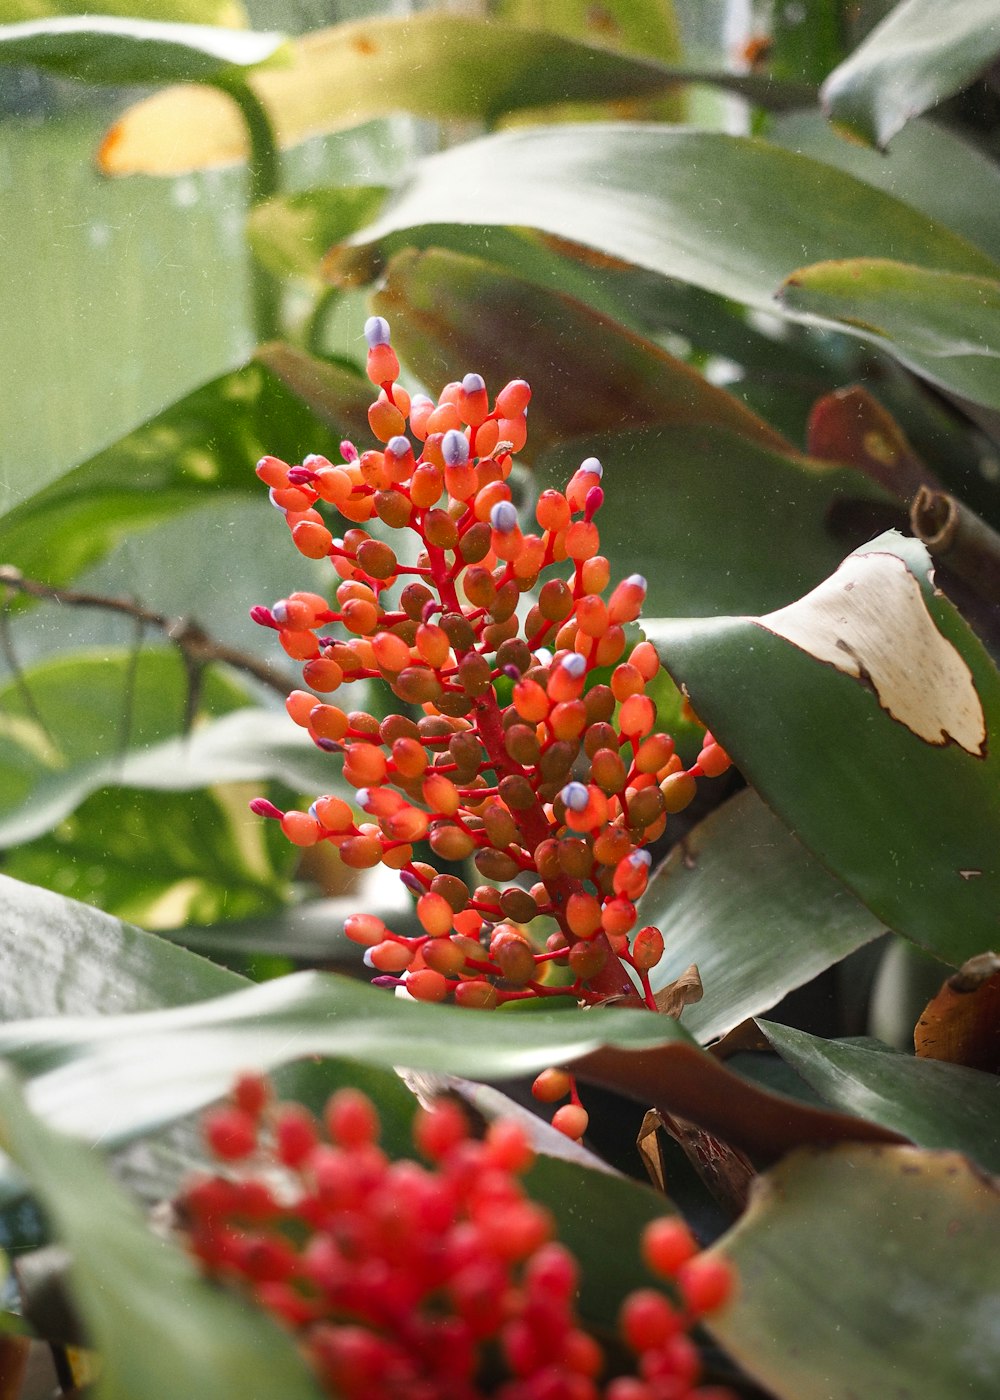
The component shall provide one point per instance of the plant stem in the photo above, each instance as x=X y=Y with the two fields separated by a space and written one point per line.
x=264 y=182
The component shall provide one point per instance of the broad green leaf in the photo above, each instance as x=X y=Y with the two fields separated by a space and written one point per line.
x=120 y=51
x=933 y=1103
x=866 y=1273
x=919 y=54
x=108 y=721
x=588 y=374
x=433 y=64
x=160 y=1329
x=661 y=515
x=207 y=443
x=759 y=915
x=117 y=1077
x=66 y=959
x=929 y=166
x=869 y=734
x=695 y=206
x=290 y=233
x=943 y=325
x=162 y=858
x=806 y=40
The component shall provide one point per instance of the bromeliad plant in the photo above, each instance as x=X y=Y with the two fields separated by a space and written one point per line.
x=559 y=786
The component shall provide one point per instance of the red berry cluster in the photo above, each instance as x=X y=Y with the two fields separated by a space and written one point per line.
x=554 y=792
x=404 y=1282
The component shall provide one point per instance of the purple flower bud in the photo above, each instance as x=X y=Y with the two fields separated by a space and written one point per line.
x=280 y=612
x=262 y=616
x=398 y=446
x=503 y=517
x=348 y=451
x=411 y=882
x=637 y=581
x=575 y=797
x=454 y=448
x=300 y=476
x=473 y=383
x=593 y=502
x=574 y=664
x=376 y=331
x=383 y=981
x=511 y=672
x=326 y=641
x=593 y=466
x=329 y=745
x=262 y=808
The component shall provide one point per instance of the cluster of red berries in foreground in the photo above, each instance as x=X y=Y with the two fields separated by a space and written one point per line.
x=551 y=779
x=440 y=1282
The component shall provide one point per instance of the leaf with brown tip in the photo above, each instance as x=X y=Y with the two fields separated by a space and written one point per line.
x=962 y=1023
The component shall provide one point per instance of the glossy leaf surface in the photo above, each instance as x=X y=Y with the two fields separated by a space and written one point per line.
x=119 y=51
x=919 y=54
x=759 y=915
x=932 y=1103
x=693 y=205
x=864 y=1273
x=450 y=313
x=713 y=522
x=944 y=325
x=898 y=798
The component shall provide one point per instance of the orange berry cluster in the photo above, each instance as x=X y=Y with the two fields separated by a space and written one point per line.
x=407 y=1282
x=536 y=752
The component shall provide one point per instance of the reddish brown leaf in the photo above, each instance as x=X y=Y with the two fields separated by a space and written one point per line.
x=962 y=1023
x=850 y=426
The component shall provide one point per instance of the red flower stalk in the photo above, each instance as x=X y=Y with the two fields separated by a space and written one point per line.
x=406 y=1282
x=536 y=754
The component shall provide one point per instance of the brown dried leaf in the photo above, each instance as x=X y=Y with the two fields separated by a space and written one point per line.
x=683 y=991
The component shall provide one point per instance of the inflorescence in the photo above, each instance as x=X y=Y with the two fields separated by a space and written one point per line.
x=442 y=1282
x=536 y=753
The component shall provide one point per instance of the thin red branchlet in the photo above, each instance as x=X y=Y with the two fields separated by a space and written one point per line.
x=440 y=1282
x=536 y=754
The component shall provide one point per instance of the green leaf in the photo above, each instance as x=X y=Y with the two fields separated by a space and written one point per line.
x=587 y=372
x=206 y=443
x=695 y=206
x=116 y=720
x=929 y=166
x=742 y=899
x=66 y=959
x=160 y=1329
x=944 y=325
x=163 y=858
x=290 y=233
x=434 y=64
x=873 y=747
x=120 y=51
x=661 y=515
x=933 y=1103
x=919 y=55
x=866 y=1273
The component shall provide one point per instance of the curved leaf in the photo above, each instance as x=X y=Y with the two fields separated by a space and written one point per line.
x=932 y=1103
x=696 y=206
x=919 y=54
x=105 y=49
x=160 y=1329
x=115 y=1078
x=433 y=64
x=929 y=166
x=741 y=898
x=206 y=443
x=661 y=515
x=944 y=325
x=877 y=746
x=450 y=312
x=866 y=1273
